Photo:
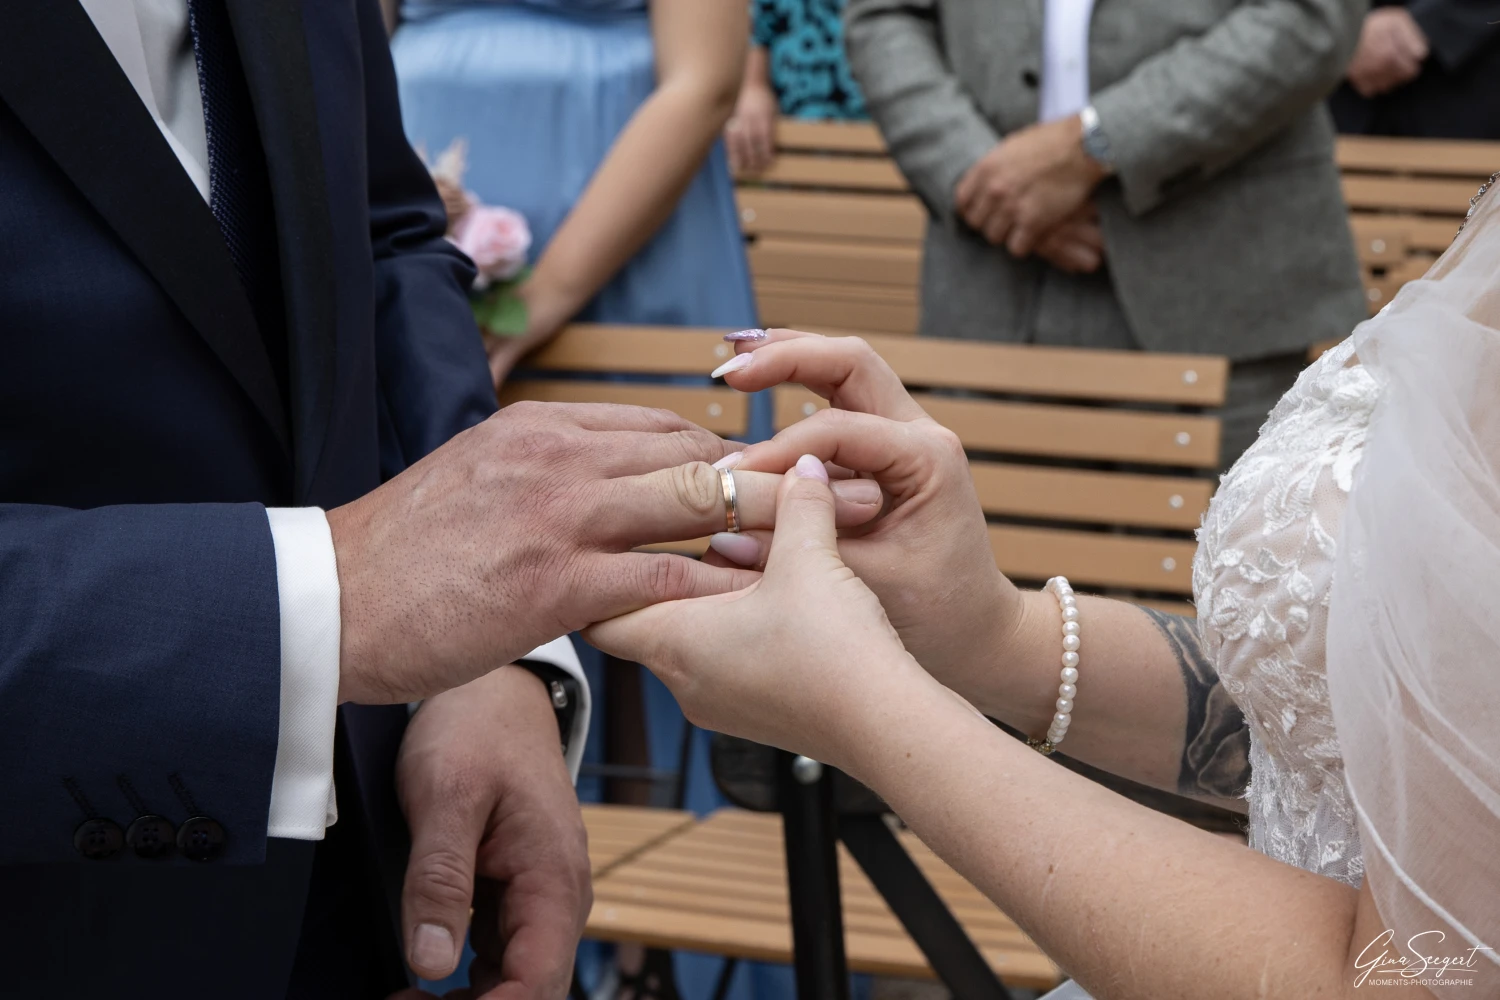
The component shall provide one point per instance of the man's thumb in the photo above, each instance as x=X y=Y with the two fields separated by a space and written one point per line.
x=438 y=893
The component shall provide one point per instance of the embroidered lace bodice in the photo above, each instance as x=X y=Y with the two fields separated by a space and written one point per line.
x=1261 y=578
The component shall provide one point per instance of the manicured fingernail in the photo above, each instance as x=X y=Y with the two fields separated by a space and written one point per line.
x=432 y=949
x=739 y=549
x=734 y=364
x=865 y=492
x=729 y=461
x=811 y=467
x=745 y=336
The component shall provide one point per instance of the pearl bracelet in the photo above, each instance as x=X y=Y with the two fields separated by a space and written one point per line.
x=1068 y=689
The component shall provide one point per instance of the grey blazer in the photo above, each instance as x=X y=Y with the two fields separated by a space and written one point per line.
x=1225 y=229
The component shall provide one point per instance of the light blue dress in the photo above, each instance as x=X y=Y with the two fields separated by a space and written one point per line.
x=539 y=90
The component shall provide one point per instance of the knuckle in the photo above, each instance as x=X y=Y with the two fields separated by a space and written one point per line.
x=696 y=487
x=666 y=578
x=947 y=443
x=442 y=878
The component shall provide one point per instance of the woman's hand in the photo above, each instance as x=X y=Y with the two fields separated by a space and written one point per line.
x=547 y=312
x=803 y=659
x=928 y=558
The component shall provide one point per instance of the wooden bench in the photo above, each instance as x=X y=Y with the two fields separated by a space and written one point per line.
x=835 y=234
x=1048 y=439
x=719 y=886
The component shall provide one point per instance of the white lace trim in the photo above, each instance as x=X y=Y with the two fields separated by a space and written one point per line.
x=1262 y=577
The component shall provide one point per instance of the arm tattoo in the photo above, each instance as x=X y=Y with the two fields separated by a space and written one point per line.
x=1216 y=746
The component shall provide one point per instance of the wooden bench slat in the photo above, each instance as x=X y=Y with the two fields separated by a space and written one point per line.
x=826 y=260
x=1091 y=559
x=802 y=305
x=845 y=173
x=1090 y=497
x=722 y=411
x=1432 y=235
x=1416 y=194
x=1468 y=159
x=1183 y=609
x=1078 y=432
x=650 y=350
x=1075 y=373
x=894 y=218
x=829 y=136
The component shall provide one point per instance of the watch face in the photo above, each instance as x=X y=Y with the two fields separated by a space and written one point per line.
x=1097 y=147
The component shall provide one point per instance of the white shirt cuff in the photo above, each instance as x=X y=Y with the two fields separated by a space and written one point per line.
x=561 y=654
x=307 y=580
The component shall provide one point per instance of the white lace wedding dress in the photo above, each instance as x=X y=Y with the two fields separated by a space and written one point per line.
x=1261 y=578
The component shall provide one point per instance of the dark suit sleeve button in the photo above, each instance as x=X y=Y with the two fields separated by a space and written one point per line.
x=151 y=837
x=1030 y=78
x=98 y=839
x=200 y=839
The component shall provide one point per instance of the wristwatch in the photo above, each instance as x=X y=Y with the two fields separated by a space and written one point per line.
x=1095 y=142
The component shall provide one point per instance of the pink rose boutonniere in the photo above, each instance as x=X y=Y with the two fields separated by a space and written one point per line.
x=496 y=239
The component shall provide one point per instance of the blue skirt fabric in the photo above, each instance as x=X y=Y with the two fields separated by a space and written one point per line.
x=540 y=92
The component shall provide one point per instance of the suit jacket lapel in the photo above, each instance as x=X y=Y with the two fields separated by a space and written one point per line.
x=274 y=53
x=83 y=111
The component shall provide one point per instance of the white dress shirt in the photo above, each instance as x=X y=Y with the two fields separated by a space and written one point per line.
x=151 y=41
x=1065 y=59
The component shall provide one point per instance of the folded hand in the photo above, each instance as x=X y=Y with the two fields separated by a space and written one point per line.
x=1027 y=185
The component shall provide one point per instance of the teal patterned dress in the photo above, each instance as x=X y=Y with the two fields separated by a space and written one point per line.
x=804 y=40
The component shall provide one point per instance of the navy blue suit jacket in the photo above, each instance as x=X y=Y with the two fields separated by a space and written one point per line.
x=142 y=433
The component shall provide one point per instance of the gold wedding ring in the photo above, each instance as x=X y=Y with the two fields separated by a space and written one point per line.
x=731 y=500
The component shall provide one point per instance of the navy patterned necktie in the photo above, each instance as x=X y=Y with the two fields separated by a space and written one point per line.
x=239 y=183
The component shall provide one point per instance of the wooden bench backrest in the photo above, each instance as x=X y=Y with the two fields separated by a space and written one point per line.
x=835 y=235
x=1091 y=463
x=1049 y=430
x=1406 y=199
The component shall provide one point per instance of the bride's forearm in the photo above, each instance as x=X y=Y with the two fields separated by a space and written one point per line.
x=1149 y=705
x=1130 y=902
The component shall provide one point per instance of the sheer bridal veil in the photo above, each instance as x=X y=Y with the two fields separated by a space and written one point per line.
x=1414 y=622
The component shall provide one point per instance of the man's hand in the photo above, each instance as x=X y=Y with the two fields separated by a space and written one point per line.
x=1390 y=53
x=1026 y=186
x=1076 y=246
x=487 y=796
x=520 y=530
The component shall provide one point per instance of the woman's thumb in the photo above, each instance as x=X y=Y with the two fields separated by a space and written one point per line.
x=804 y=515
